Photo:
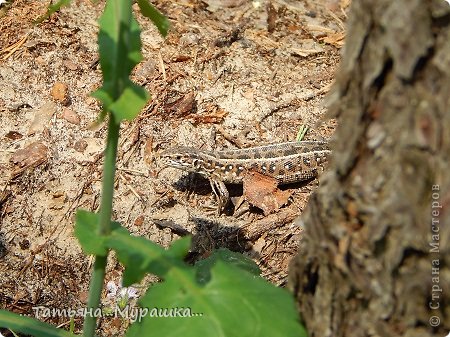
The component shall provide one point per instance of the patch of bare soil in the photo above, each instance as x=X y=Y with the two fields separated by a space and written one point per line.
x=230 y=72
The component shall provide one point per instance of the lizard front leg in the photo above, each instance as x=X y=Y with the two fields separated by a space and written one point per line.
x=221 y=192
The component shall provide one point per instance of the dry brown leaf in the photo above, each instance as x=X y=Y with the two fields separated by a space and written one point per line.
x=182 y=106
x=42 y=117
x=262 y=191
x=335 y=39
x=214 y=117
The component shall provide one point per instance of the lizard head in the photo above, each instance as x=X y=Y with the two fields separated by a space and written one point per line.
x=183 y=158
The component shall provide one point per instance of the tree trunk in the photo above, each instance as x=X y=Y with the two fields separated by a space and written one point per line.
x=375 y=257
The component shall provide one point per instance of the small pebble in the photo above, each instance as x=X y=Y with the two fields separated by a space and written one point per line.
x=70 y=65
x=80 y=145
x=70 y=116
x=60 y=92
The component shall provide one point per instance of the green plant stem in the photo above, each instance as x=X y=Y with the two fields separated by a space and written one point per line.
x=98 y=275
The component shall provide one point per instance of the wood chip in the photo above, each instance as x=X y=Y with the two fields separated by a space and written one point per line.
x=148 y=151
x=139 y=220
x=272 y=15
x=14 y=135
x=31 y=156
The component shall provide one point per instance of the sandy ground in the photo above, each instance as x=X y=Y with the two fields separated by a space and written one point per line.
x=229 y=72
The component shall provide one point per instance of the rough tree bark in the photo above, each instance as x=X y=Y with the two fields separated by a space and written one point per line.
x=375 y=257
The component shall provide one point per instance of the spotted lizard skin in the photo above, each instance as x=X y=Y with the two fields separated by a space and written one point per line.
x=287 y=162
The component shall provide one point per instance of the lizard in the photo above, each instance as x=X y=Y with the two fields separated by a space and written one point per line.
x=288 y=162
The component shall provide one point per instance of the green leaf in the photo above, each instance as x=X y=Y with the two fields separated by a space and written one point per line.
x=179 y=248
x=87 y=231
x=52 y=9
x=132 y=93
x=236 y=259
x=301 y=133
x=232 y=304
x=120 y=50
x=141 y=256
x=159 y=20
x=30 y=326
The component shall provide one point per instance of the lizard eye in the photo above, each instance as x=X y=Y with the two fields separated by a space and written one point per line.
x=178 y=157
